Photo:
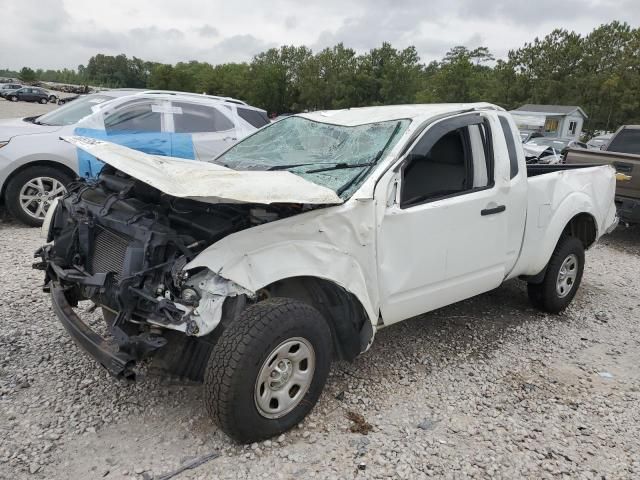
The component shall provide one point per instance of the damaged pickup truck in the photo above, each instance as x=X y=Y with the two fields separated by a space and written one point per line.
x=252 y=272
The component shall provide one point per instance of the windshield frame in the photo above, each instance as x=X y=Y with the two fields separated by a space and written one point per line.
x=378 y=158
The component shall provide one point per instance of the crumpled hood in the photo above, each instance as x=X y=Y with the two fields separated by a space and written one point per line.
x=207 y=182
x=12 y=127
x=539 y=151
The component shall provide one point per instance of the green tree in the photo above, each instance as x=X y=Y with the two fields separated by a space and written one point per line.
x=27 y=75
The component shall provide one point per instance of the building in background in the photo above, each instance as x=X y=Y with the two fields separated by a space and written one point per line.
x=562 y=121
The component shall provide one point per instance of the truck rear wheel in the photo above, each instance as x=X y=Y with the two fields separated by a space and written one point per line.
x=562 y=278
x=268 y=368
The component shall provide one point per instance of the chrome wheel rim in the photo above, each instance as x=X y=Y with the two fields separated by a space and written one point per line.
x=567 y=276
x=285 y=377
x=37 y=195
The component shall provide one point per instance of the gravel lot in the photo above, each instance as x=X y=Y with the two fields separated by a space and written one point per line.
x=23 y=109
x=485 y=388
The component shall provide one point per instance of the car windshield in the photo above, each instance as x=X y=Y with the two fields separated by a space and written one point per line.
x=549 y=142
x=73 y=111
x=334 y=156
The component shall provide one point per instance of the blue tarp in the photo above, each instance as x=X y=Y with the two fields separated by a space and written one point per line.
x=155 y=143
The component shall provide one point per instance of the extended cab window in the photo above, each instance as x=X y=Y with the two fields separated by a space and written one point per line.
x=192 y=118
x=457 y=161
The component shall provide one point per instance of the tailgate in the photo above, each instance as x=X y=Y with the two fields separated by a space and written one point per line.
x=625 y=163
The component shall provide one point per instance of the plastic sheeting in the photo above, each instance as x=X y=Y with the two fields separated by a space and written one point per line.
x=188 y=128
x=178 y=145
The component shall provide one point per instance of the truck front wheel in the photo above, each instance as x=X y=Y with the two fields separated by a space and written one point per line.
x=268 y=368
x=562 y=278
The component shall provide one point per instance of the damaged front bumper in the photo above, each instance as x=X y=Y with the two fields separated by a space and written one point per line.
x=116 y=359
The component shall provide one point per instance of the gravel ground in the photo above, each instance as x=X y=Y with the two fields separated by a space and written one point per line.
x=486 y=388
x=23 y=109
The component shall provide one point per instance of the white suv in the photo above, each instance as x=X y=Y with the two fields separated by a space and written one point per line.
x=36 y=166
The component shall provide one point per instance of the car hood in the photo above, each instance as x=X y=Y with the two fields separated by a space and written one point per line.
x=207 y=182
x=13 y=127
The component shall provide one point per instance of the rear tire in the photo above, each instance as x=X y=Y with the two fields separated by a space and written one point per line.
x=562 y=277
x=268 y=368
x=44 y=100
x=18 y=192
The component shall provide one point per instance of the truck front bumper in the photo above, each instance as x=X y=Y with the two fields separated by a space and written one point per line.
x=117 y=362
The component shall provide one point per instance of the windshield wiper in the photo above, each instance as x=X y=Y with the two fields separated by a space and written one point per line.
x=285 y=167
x=342 y=165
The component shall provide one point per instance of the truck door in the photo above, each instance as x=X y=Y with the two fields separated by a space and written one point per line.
x=442 y=236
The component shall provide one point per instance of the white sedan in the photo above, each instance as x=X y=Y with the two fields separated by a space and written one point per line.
x=36 y=166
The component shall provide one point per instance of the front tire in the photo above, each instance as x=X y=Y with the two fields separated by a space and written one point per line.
x=30 y=192
x=268 y=368
x=44 y=100
x=13 y=98
x=562 y=278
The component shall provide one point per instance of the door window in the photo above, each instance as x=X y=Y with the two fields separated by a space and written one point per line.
x=454 y=162
x=254 y=117
x=626 y=140
x=193 y=118
x=135 y=118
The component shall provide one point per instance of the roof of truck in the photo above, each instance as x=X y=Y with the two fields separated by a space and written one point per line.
x=364 y=115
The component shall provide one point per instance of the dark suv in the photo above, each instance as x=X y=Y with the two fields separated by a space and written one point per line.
x=29 y=94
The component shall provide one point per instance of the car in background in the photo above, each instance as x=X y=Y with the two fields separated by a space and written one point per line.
x=526 y=136
x=7 y=88
x=62 y=101
x=599 y=142
x=549 y=149
x=36 y=166
x=622 y=152
x=28 y=94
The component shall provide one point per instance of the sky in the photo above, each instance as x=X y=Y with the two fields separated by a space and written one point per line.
x=65 y=33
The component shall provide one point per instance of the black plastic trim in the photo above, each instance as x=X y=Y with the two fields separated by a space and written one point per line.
x=118 y=363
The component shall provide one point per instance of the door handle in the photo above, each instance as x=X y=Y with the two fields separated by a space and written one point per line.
x=623 y=167
x=493 y=211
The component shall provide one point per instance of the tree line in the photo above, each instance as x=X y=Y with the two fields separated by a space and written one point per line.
x=599 y=71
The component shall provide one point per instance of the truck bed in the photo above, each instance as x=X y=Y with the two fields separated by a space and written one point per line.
x=535 y=169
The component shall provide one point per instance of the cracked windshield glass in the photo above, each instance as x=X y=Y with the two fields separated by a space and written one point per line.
x=335 y=156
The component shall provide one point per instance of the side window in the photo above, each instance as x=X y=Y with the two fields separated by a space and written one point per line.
x=457 y=161
x=193 y=118
x=626 y=141
x=138 y=117
x=511 y=146
x=253 y=117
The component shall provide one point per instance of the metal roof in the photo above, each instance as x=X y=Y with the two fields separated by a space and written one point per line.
x=550 y=109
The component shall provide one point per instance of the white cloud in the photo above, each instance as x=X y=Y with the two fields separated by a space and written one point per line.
x=71 y=31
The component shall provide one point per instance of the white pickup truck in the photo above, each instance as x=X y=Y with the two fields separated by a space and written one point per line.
x=252 y=272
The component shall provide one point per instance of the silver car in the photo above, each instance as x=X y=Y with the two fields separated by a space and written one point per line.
x=36 y=166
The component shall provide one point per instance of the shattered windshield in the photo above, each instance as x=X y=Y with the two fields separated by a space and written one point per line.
x=334 y=156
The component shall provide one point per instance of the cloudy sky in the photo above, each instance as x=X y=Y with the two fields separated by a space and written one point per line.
x=65 y=33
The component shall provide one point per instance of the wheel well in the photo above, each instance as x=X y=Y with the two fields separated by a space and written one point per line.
x=583 y=226
x=38 y=163
x=347 y=318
